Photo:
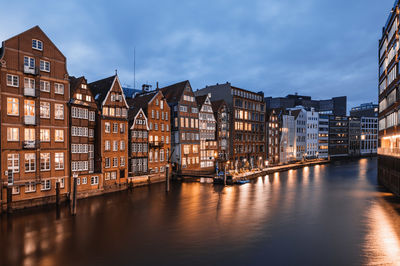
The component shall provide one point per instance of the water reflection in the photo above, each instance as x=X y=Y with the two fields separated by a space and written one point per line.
x=323 y=215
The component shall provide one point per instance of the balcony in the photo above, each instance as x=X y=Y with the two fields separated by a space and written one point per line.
x=29 y=120
x=394 y=152
x=30 y=70
x=156 y=143
x=29 y=144
x=30 y=92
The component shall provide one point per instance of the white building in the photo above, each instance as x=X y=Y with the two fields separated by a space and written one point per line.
x=369 y=135
x=300 y=117
x=312 y=134
x=323 y=136
x=287 y=142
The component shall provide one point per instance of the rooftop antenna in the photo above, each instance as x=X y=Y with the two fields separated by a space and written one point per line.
x=134 y=67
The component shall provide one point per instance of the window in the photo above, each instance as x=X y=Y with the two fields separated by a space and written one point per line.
x=122 y=145
x=13 y=134
x=122 y=161
x=115 y=162
x=45 y=185
x=79 y=96
x=107 y=127
x=92 y=116
x=45 y=162
x=115 y=145
x=59 y=160
x=84 y=180
x=122 y=128
x=107 y=145
x=108 y=163
x=88 y=98
x=161 y=155
x=13 y=162
x=113 y=175
x=44 y=110
x=44 y=86
x=15 y=190
x=29 y=83
x=29 y=134
x=30 y=162
x=30 y=187
x=91 y=133
x=44 y=66
x=59 y=88
x=12 y=80
x=62 y=182
x=94 y=180
x=36 y=44
x=45 y=135
x=12 y=106
x=115 y=127
x=59 y=135
x=58 y=111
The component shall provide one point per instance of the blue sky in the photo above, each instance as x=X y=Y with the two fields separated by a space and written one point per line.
x=321 y=48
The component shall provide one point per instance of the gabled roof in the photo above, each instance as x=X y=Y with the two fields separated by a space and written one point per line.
x=101 y=88
x=173 y=93
x=130 y=92
x=134 y=116
x=140 y=101
x=200 y=100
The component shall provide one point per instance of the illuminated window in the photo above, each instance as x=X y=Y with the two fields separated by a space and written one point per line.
x=12 y=106
x=59 y=135
x=13 y=134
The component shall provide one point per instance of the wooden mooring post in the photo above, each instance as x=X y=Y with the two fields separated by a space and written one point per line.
x=167 y=178
x=74 y=200
x=9 y=200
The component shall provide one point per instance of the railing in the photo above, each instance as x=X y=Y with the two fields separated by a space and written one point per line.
x=30 y=70
x=29 y=144
x=156 y=143
x=29 y=120
x=389 y=151
x=30 y=92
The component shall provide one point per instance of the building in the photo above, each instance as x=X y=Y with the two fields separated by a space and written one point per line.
x=82 y=128
x=369 y=136
x=365 y=110
x=34 y=118
x=335 y=106
x=312 y=134
x=273 y=136
x=389 y=131
x=323 y=136
x=288 y=136
x=185 y=135
x=338 y=136
x=354 y=136
x=155 y=108
x=207 y=128
x=300 y=128
x=111 y=132
x=221 y=114
x=247 y=128
x=138 y=141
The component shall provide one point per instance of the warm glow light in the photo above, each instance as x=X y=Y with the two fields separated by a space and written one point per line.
x=392 y=137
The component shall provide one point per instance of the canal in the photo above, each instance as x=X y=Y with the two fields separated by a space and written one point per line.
x=332 y=214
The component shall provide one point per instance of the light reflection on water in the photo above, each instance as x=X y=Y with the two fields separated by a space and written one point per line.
x=324 y=215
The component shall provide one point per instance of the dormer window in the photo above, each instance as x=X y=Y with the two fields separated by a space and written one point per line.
x=84 y=86
x=38 y=45
x=79 y=96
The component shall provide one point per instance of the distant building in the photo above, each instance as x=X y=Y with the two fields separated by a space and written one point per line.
x=365 y=110
x=287 y=141
x=247 y=136
x=369 y=136
x=323 y=136
x=312 y=134
x=334 y=106
x=221 y=114
x=273 y=136
x=338 y=136
x=300 y=117
x=354 y=136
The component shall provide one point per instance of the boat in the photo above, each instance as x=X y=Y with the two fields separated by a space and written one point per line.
x=241 y=182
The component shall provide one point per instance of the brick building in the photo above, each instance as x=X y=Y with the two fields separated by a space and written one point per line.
x=34 y=116
x=111 y=131
x=207 y=128
x=157 y=111
x=82 y=128
x=185 y=135
x=247 y=128
x=273 y=136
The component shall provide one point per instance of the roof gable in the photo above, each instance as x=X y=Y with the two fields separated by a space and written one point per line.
x=101 y=90
x=174 y=92
x=137 y=115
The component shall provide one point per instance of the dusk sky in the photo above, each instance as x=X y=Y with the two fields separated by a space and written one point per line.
x=314 y=47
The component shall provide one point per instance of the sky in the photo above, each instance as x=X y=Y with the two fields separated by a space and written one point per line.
x=320 y=48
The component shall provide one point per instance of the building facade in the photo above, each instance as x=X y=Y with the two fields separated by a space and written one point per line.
x=207 y=128
x=300 y=140
x=288 y=136
x=34 y=117
x=338 y=136
x=273 y=136
x=369 y=136
x=221 y=114
x=354 y=136
x=323 y=136
x=82 y=128
x=112 y=131
x=185 y=134
x=365 y=110
x=247 y=128
x=312 y=134
x=138 y=141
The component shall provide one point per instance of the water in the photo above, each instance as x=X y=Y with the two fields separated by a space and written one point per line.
x=324 y=215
